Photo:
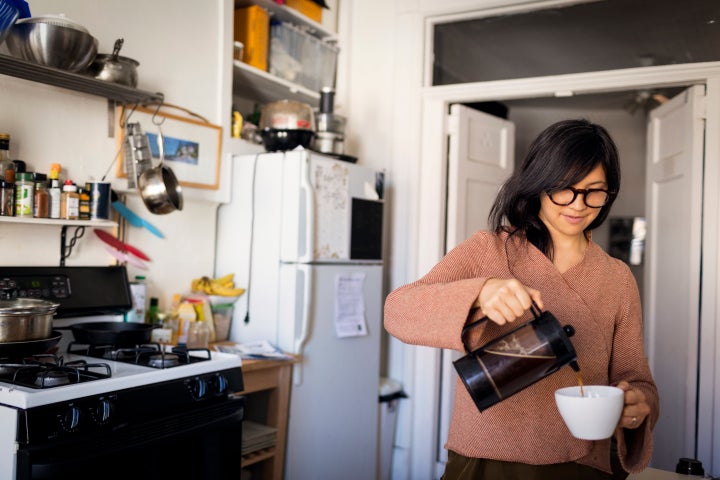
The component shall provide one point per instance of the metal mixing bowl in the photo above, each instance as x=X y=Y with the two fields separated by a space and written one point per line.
x=50 y=44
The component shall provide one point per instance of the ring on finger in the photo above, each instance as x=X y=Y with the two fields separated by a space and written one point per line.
x=633 y=421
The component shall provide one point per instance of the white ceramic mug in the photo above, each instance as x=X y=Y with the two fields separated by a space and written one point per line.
x=593 y=416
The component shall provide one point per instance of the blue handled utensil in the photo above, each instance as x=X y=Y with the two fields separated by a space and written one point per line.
x=134 y=219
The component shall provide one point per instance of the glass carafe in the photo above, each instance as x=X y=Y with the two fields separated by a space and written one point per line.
x=515 y=360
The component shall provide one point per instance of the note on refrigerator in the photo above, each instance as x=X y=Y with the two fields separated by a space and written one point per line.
x=350 y=305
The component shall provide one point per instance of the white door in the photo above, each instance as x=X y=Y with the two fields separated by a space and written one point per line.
x=672 y=275
x=480 y=158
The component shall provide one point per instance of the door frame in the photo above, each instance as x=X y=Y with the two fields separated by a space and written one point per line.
x=430 y=225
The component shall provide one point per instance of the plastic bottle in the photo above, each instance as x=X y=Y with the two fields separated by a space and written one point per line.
x=7 y=167
x=41 y=202
x=70 y=202
x=24 y=194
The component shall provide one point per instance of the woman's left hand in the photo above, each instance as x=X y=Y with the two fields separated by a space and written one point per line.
x=636 y=408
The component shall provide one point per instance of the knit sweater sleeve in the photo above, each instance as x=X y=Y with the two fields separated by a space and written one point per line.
x=433 y=310
x=629 y=363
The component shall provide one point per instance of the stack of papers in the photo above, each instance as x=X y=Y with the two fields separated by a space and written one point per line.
x=259 y=350
x=256 y=436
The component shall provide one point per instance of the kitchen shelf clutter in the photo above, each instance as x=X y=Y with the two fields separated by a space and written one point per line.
x=273 y=69
x=19 y=68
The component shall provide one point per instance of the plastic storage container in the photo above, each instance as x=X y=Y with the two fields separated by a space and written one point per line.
x=298 y=57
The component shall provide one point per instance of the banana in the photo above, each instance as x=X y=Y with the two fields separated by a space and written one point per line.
x=222 y=286
x=225 y=280
x=227 y=292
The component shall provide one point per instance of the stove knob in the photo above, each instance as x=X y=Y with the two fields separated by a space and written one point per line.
x=102 y=411
x=218 y=383
x=70 y=419
x=198 y=388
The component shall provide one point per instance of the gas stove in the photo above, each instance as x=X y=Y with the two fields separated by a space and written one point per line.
x=107 y=376
x=80 y=411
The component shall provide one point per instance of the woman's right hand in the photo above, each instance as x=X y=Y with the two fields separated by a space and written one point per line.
x=506 y=300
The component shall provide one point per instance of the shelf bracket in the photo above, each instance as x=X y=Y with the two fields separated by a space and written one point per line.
x=65 y=248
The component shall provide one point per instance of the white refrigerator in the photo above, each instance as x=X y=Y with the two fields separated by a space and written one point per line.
x=304 y=232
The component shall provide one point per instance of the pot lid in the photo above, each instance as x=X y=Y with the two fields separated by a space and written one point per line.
x=27 y=306
x=57 y=20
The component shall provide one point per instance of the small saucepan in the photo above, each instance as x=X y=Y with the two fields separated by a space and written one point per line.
x=115 y=68
x=158 y=186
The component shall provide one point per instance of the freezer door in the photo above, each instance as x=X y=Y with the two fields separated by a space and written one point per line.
x=333 y=423
x=248 y=244
x=332 y=210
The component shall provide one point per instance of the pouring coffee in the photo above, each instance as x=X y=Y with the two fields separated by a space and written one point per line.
x=516 y=360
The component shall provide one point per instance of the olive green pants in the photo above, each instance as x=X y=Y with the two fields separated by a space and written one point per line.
x=460 y=467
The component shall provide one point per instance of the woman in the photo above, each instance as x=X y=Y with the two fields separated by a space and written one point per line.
x=541 y=250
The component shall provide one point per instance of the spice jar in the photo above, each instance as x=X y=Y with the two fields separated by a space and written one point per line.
x=84 y=205
x=24 y=194
x=7 y=198
x=69 y=202
x=41 y=204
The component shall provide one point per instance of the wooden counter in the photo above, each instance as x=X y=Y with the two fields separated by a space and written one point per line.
x=273 y=377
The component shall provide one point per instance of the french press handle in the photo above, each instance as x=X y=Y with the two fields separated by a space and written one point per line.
x=533 y=308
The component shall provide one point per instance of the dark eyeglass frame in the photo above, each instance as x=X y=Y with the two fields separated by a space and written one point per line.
x=580 y=191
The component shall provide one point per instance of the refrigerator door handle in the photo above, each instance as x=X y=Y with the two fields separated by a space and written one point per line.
x=300 y=341
x=307 y=188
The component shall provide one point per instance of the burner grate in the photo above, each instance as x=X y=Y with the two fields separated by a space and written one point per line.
x=152 y=355
x=48 y=371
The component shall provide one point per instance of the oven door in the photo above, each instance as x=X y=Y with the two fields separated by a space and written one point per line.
x=203 y=442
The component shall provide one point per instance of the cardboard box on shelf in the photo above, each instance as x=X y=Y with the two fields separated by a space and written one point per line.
x=252 y=27
x=308 y=8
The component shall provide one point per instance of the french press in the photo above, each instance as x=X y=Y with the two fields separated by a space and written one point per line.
x=516 y=360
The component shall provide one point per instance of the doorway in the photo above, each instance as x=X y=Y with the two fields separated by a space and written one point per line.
x=627 y=121
x=526 y=97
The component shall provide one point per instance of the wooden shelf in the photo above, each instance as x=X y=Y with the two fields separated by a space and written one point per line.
x=257 y=456
x=19 y=68
x=273 y=377
x=59 y=222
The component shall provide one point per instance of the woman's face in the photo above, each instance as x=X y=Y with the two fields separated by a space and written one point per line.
x=571 y=220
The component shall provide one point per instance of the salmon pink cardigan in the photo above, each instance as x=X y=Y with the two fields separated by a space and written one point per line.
x=598 y=297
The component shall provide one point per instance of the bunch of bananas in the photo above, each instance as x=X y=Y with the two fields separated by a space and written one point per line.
x=223 y=286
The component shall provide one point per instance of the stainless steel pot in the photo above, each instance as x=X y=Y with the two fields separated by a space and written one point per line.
x=26 y=319
x=115 y=68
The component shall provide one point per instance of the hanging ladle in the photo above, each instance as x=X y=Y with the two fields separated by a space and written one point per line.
x=158 y=187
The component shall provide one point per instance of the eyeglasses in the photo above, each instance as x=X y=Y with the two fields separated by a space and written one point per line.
x=593 y=197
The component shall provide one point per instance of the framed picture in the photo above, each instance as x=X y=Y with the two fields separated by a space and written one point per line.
x=191 y=147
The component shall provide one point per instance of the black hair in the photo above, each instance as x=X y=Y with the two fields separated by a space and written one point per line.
x=561 y=155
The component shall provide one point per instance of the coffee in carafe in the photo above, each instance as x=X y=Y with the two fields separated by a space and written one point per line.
x=515 y=360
